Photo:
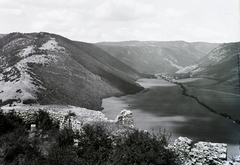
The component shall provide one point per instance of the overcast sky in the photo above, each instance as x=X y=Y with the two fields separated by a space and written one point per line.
x=119 y=20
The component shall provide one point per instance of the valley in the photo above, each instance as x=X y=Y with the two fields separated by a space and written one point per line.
x=153 y=57
x=48 y=69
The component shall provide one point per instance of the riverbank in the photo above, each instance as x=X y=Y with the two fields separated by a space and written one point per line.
x=203 y=83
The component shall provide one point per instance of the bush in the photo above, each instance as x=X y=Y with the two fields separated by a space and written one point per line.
x=9 y=122
x=136 y=147
x=65 y=137
x=44 y=121
x=98 y=143
x=64 y=156
x=17 y=148
x=95 y=145
x=143 y=148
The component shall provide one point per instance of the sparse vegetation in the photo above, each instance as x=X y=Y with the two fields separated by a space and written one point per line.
x=143 y=148
x=97 y=143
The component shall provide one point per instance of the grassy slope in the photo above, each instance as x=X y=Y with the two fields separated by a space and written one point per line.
x=103 y=64
x=82 y=75
x=220 y=64
x=97 y=75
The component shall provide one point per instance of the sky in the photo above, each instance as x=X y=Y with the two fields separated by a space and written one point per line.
x=123 y=20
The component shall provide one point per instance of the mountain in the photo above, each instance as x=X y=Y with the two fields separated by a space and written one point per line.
x=220 y=64
x=153 y=57
x=2 y=35
x=50 y=69
x=204 y=47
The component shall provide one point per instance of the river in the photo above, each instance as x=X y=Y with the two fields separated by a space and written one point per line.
x=164 y=107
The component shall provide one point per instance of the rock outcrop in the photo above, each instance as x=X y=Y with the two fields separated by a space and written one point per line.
x=125 y=117
x=201 y=153
x=67 y=116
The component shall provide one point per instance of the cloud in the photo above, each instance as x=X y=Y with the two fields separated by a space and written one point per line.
x=51 y=3
x=173 y=13
x=204 y=34
x=151 y=25
x=124 y=10
x=114 y=20
x=12 y=12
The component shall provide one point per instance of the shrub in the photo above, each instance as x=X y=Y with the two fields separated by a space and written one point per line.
x=136 y=147
x=44 y=121
x=64 y=156
x=17 y=147
x=98 y=143
x=94 y=145
x=9 y=122
x=65 y=137
x=143 y=148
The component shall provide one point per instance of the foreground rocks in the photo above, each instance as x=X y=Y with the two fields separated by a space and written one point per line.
x=201 y=153
x=67 y=116
x=70 y=116
x=125 y=117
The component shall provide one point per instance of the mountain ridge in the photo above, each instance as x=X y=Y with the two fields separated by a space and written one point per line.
x=157 y=56
x=49 y=69
x=220 y=64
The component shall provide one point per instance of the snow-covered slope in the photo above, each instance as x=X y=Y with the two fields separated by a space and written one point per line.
x=221 y=64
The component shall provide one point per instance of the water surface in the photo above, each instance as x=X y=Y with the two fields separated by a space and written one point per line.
x=163 y=106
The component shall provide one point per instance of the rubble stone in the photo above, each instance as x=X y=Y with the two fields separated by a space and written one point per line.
x=202 y=152
x=125 y=117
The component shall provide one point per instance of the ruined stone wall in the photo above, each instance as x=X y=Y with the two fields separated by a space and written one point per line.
x=201 y=152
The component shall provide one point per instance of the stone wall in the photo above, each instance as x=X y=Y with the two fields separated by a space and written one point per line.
x=67 y=116
x=201 y=153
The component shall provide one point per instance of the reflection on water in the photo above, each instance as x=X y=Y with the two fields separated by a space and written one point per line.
x=164 y=106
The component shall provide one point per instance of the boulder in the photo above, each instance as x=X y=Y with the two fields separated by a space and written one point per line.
x=182 y=146
x=125 y=117
x=200 y=152
x=207 y=152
